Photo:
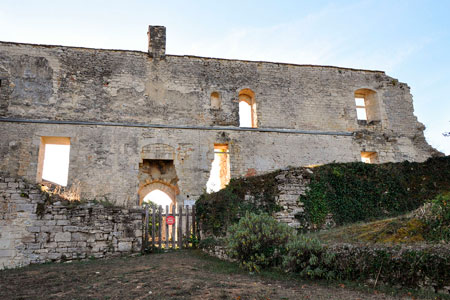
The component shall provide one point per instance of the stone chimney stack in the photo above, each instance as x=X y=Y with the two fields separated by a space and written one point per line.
x=157 y=41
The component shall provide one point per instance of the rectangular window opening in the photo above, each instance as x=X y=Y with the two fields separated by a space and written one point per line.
x=360 y=107
x=369 y=157
x=220 y=169
x=53 y=162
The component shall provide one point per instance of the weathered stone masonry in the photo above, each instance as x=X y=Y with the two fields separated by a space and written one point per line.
x=116 y=106
x=33 y=231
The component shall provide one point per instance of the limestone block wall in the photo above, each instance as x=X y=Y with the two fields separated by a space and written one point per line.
x=105 y=160
x=33 y=231
x=121 y=107
x=67 y=83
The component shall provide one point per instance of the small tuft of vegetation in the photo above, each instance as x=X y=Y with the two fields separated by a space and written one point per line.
x=104 y=202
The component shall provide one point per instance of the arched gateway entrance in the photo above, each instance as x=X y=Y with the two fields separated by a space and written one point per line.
x=164 y=196
x=158 y=193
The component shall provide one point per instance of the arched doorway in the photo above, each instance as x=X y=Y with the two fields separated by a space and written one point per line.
x=159 y=193
x=158 y=197
x=162 y=195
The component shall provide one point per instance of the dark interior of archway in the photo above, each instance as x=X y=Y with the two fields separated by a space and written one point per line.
x=151 y=170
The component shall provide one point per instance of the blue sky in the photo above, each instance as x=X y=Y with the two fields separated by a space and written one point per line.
x=409 y=40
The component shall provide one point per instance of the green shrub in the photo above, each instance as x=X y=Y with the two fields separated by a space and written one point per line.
x=357 y=191
x=437 y=218
x=308 y=257
x=258 y=241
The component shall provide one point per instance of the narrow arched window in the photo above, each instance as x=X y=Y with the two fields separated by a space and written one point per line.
x=247 y=109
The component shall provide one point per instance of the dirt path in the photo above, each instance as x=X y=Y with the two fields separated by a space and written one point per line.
x=176 y=275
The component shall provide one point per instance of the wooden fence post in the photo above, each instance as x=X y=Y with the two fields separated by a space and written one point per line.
x=153 y=226
x=167 y=227
x=173 y=226
x=180 y=227
x=194 y=232
x=187 y=227
x=160 y=227
x=145 y=242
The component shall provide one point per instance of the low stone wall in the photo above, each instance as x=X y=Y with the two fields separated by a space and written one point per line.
x=218 y=251
x=35 y=230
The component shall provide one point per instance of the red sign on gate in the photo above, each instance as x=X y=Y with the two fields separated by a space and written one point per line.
x=170 y=220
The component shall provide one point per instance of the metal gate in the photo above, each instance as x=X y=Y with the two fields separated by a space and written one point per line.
x=171 y=228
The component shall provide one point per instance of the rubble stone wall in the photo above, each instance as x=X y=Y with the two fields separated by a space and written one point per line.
x=291 y=184
x=32 y=230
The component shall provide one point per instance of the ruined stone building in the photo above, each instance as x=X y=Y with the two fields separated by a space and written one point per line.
x=136 y=122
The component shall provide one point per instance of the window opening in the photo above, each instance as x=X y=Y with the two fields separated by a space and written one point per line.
x=360 y=108
x=369 y=157
x=53 y=164
x=247 y=109
x=367 y=105
x=220 y=169
x=245 y=114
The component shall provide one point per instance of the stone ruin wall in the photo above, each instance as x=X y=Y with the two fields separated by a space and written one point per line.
x=34 y=232
x=291 y=183
x=306 y=116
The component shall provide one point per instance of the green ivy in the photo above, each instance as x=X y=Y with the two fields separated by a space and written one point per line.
x=217 y=211
x=437 y=218
x=357 y=191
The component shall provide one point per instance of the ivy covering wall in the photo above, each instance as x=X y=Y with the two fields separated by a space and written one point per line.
x=354 y=192
x=217 y=211
x=351 y=192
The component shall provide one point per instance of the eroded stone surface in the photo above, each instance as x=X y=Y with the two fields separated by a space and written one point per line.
x=91 y=85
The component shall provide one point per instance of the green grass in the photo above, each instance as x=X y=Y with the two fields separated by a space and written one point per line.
x=392 y=231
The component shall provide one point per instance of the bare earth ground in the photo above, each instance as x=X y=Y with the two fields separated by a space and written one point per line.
x=186 y=274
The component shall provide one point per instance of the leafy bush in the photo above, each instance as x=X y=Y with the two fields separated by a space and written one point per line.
x=258 y=241
x=309 y=258
x=357 y=191
x=437 y=218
